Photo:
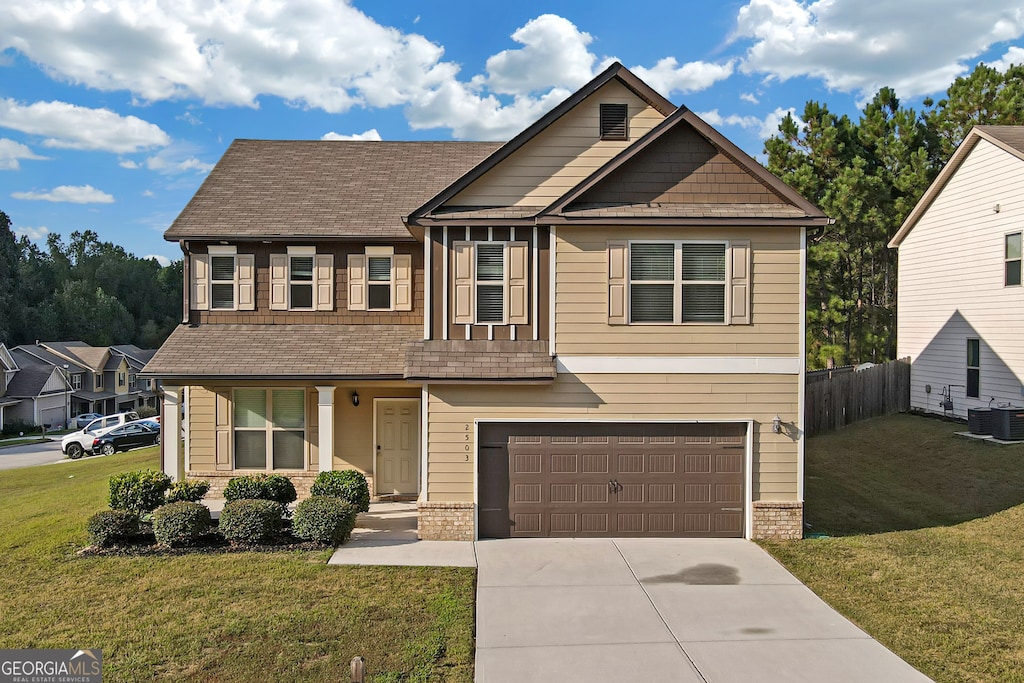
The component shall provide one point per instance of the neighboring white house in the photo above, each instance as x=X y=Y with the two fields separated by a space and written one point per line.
x=961 y=298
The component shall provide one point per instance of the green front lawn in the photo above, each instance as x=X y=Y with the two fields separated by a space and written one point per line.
x=927 y=550
x=283 y=616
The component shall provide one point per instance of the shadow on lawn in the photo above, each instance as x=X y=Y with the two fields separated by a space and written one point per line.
x=906 y=472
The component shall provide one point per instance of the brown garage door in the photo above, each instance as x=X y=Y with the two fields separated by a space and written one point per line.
x=604 y=479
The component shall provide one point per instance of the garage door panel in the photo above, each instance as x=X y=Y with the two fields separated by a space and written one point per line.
x=627 y=479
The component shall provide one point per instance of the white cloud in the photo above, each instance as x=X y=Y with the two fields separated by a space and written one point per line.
x=148 y=193
x=371 y=134
x=320 y=54
x=128 y=163
x=766 y=127
x=554 y=54
x=750 y=97
x=856 y=46
x=11 y=152
x=162 y=260
x=177 y=159
x=667 y=76
x=70 y=126
x=1013 y=57
x=73 y=194
x=34 y=234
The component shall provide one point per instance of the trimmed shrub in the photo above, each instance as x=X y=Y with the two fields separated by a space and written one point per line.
x=110 y=526
x=348 y=485
x=146 y=411
x=250 y=521
x=188 y=490
x=261 y=487
x=141 y=491
x=324 y=519
x=181 y=523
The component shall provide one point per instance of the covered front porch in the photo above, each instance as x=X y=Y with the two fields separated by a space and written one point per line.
x=238 y=428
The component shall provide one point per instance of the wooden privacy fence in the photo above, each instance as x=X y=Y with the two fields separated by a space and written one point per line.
x=836 y=398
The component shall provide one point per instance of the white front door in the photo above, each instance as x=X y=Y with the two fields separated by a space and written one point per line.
x=397 y=432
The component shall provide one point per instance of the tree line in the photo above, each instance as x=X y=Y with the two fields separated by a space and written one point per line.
x=868 y=174
x=84 y=290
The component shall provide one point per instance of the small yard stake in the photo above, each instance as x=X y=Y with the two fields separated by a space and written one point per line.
x=358 y=669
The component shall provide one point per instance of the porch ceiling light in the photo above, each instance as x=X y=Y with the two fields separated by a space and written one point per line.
x=355 y=398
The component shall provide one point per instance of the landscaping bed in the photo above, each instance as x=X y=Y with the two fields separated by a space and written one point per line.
x=924 y=547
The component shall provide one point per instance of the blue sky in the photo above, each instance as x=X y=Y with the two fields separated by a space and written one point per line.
x=112 y=113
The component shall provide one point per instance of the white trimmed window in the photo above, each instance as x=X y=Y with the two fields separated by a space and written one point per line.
x=122 y=379
x=270 y=429
x=301 y=280
x=76 y=381
x=1012 y=259
x=131 y=380
x=678 y=282
x=491 y=283
x=99 y=381
x=379 y=280
x=973 y=368
x=223 y=280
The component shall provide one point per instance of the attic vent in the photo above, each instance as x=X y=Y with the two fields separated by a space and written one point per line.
x=613 y=122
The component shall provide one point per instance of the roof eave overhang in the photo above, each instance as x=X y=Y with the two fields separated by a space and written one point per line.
x=485 y=380
x=290 y=238
x=689 y=221
x=187 y=378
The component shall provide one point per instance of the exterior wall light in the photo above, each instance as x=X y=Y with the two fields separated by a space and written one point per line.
x=355 y=398
x=777 y=424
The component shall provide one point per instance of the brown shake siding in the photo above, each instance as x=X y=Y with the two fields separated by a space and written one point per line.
x=340 y=315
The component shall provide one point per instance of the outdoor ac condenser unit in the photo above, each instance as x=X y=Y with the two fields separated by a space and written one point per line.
x=1008 y=423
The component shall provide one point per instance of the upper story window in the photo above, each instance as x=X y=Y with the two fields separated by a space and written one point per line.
x=223 y=280
x=76 y=381
x=131 y=380
x=379 y=280
x=614 y=122
x=490 y=283
x=1012 y=259
x=99 y=380
x=302 y=280
x=122 y=379
x=679 y=282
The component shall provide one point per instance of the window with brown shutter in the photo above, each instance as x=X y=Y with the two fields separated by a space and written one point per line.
x=614 y=122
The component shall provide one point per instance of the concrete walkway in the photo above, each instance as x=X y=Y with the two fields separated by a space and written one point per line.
x=701 y=611
x=386 y=535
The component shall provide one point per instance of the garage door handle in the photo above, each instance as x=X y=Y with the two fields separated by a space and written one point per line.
x=732 y=509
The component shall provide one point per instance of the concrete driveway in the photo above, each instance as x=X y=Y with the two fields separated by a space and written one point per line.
x=29 y=455
x=711 y=611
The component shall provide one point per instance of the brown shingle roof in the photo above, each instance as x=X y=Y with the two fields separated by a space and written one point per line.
x=1011 y=136
x=672 y=210
x=283 y=351
x=321 y=188
x=440 y=361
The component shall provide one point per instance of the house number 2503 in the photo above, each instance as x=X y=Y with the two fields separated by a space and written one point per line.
x=467 y=445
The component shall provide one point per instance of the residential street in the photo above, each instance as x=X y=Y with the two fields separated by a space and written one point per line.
x=29 y=455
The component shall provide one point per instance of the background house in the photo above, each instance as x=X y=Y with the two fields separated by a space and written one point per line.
x=960 y=280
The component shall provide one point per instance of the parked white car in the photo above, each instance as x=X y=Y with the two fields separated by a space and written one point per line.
x=76 y=444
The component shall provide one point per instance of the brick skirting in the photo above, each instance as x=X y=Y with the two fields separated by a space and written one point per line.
x=782 y=521
x=443 y=521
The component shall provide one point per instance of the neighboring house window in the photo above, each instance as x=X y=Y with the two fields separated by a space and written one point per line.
x=1012 y=258
x=973 y=368
x=379 y=280
x=491 y=283
x=76 y=381
x=270 y=428
x=121 y=379
x=679 y=282
x=302 y=280
x=99 y=380
x=223 y=280
x=131 y=381
x=614 y=122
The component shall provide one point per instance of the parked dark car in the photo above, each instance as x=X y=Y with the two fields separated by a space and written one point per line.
x=130 y=435
x=82 y=420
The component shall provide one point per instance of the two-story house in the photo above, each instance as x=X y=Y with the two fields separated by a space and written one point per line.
x=594 y=329
x=960 y=279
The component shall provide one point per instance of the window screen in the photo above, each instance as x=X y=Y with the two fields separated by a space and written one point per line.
x=1013 y=259
x=379 y=282
x=652 y=272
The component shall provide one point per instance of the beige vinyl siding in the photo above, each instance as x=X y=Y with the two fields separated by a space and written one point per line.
x=202 y=429
x=561 y=156
x=581 y=297
x=951 y=285
x=453 y=409
x=353 y=425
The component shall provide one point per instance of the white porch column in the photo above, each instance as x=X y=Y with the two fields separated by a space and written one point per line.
x=172 y=455
x=325 y=406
